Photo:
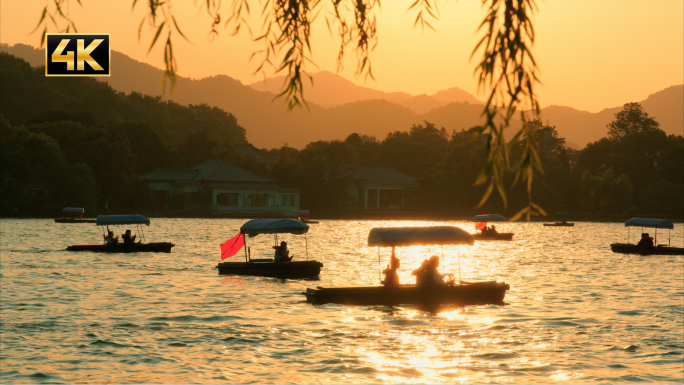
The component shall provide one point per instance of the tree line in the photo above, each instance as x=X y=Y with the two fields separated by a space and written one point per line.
x=77 y=142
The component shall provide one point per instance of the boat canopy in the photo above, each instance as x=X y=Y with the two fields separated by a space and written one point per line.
x=419 y=236
x=489 y=218
x=274 y=226
x=301 y=212
x=77 y=210
x=133 y=219
x=648 y=222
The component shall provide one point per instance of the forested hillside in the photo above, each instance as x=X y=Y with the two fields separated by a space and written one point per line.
x=78 y=142
x=90 y=143
x=366 y=111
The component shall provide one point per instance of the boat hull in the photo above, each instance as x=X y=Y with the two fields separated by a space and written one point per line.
x=559 y=224
x=494 y=237
x=476 y=293
x=626 y=248
x=294 y=269
x=158 y=247
x=70 y=220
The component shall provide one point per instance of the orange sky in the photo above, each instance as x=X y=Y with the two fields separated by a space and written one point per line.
x=592 y=54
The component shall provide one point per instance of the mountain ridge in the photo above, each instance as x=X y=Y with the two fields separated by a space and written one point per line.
x=269 y=125
x=348 y=92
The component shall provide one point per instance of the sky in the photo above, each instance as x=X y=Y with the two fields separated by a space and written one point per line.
x=592 y=54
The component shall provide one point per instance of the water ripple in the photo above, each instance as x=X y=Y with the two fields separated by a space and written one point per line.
x=576 y=312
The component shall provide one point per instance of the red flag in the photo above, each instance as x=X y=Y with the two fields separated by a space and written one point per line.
x=480 y=225
x=232 y=246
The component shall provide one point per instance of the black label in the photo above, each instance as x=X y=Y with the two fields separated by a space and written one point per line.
x=77 y=54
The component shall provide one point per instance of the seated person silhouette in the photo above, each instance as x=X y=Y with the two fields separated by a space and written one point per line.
x=128 y=238
x=646 y=241
x=282 y=254
x=110 y=239
x=428 y=274
x=420 y=273
x=391 y=276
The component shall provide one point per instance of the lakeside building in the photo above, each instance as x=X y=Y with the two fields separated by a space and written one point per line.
x=222 y=186
x=381 y=188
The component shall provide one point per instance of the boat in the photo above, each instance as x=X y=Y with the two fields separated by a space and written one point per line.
x=562 y=223
x=488 y=235
x=72 y=217
x=460 y=293
x=139 y=247
x=629 y=248
x=267 y=267
x=476 y=293
x=303 y=216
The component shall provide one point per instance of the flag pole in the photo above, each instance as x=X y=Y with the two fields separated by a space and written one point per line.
x=244 y=240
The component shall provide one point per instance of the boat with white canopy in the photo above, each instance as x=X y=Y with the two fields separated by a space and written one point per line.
x=629 y=248
x=303 y=216
x=70 y=214
x=458 y=293
x=115 y=247
x=490 y=234
x=268 y=267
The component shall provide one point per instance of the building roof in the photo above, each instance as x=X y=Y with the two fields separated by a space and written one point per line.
x=173 y=175
x=215 y=170
x=381 y=175
x=220 y=171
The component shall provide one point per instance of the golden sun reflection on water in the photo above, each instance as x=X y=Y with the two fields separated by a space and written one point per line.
x=576 y=312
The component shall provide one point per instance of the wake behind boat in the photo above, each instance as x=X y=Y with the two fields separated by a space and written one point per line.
x=647 y=245
x=268 y=267
x=426 y=293
x=112 y=245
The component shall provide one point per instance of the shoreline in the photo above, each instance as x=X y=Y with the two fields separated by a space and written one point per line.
x=392 y=216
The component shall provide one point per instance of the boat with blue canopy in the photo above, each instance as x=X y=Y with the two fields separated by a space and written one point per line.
x=490 y=233
x=268 y=267
x=113 y=246
x=454 y=293
x=70 y=214
x=630 y=248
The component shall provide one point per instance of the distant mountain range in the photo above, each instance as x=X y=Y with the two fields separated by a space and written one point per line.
x=331 y=90
x=338 y=107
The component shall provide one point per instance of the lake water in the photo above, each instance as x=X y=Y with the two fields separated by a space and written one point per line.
x=576 y=312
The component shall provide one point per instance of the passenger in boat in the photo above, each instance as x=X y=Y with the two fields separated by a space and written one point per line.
x=282 y=254
x=111 y=239
x=391 y=276
x=434 y=277
x=428 y=274
x=420 y=273
x=646 y=241
x=128 y=238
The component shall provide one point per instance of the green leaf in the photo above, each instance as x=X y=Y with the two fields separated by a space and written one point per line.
x=178 y=29
x=42 y=17
x=156 y=36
